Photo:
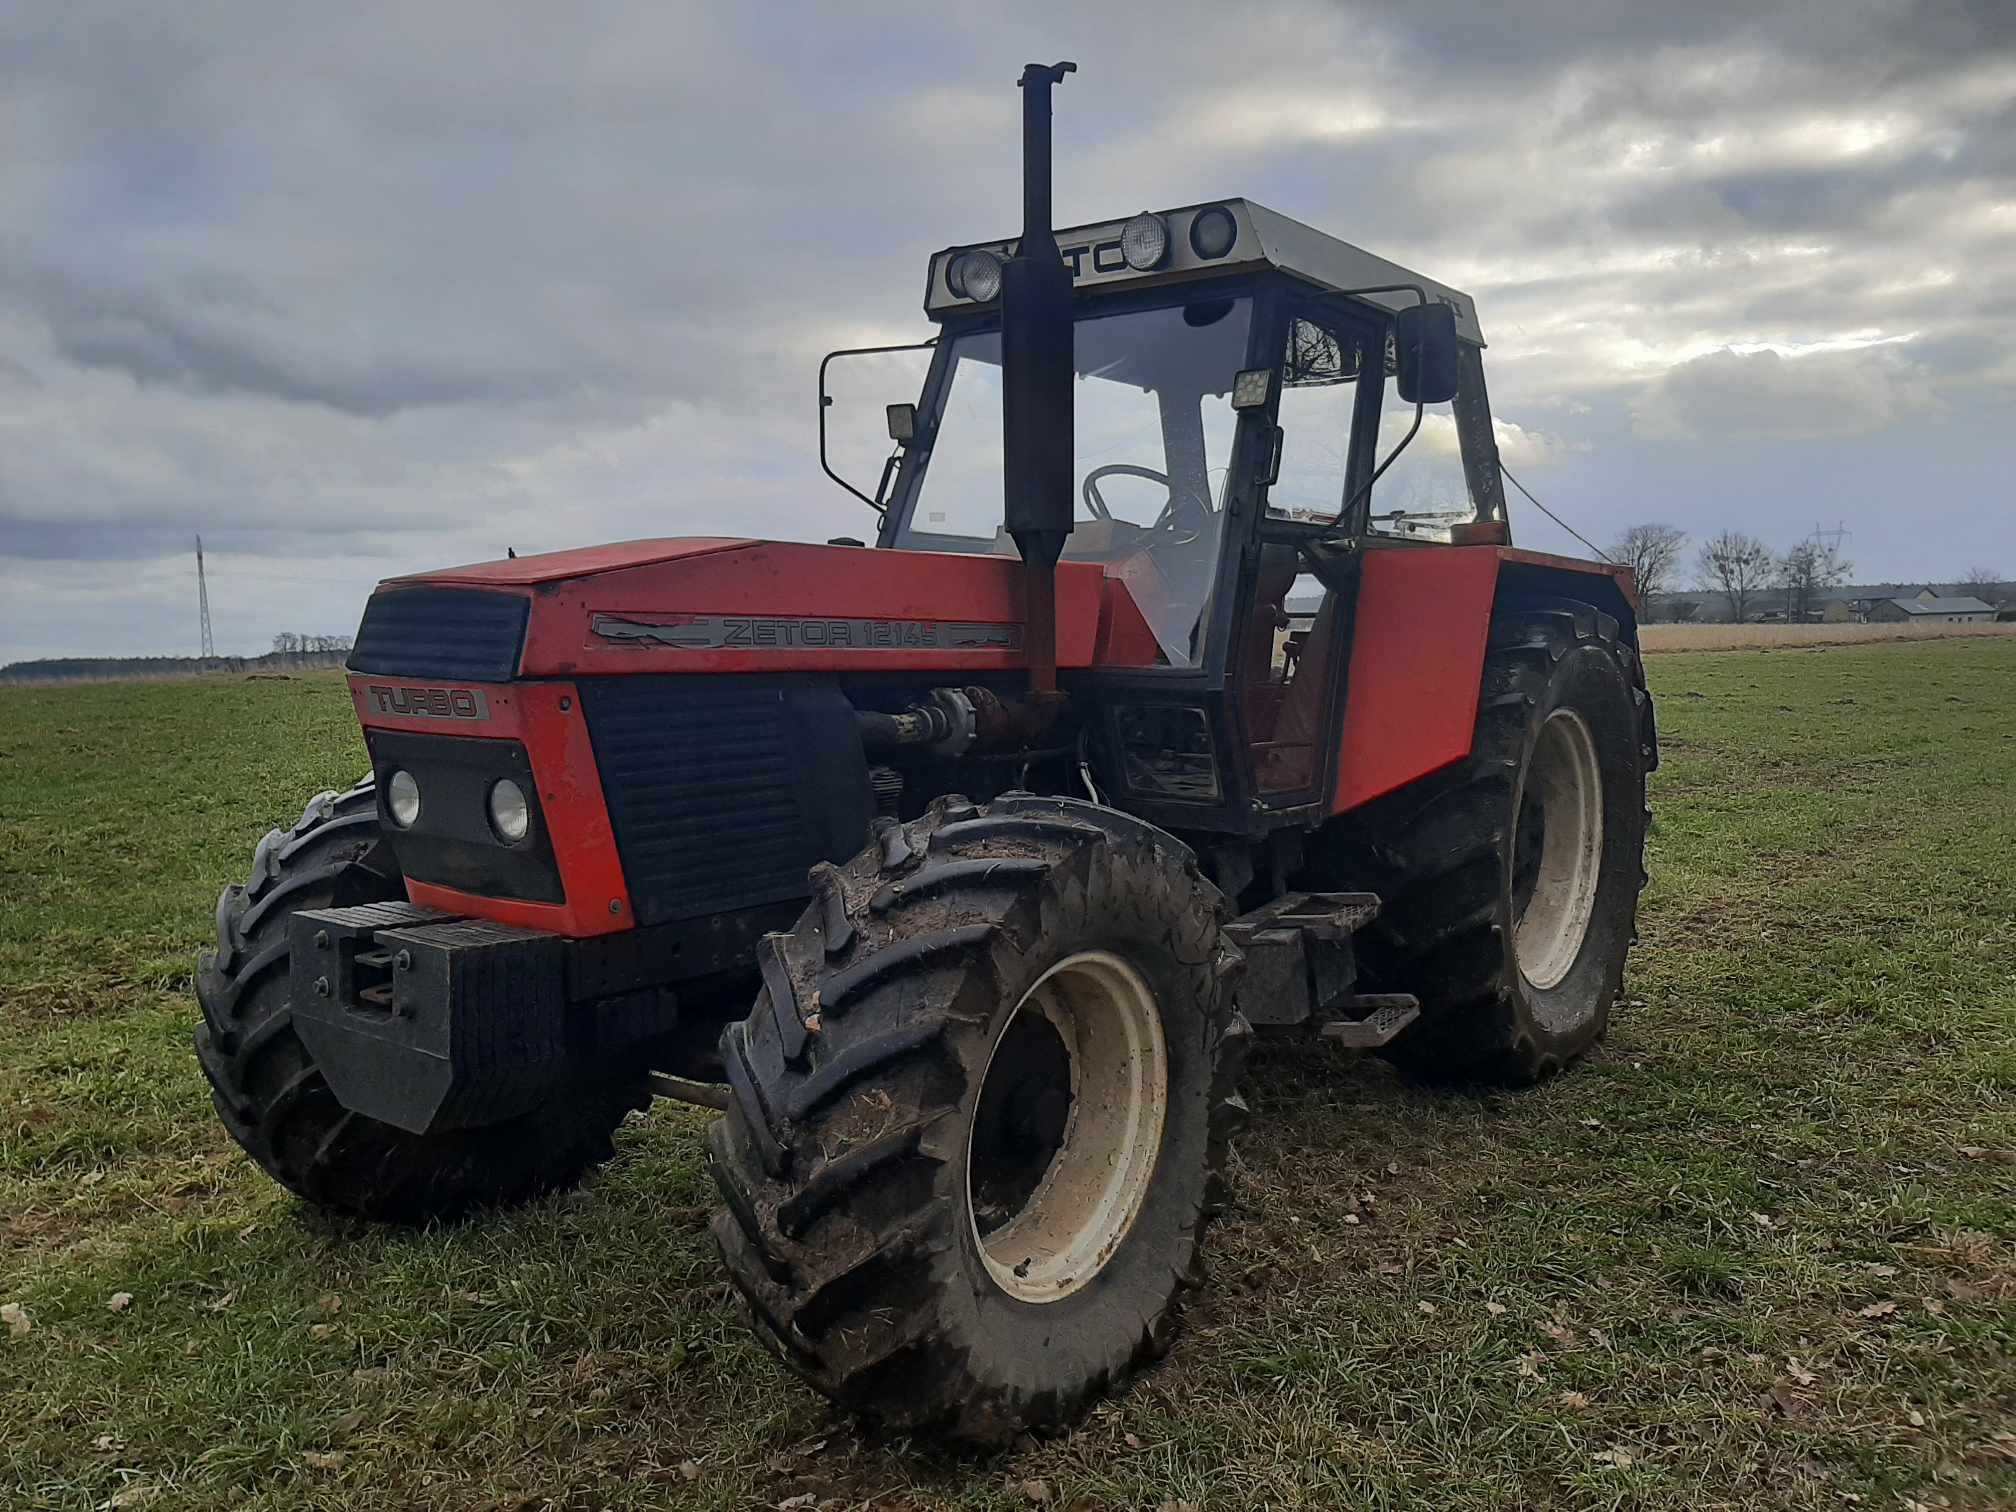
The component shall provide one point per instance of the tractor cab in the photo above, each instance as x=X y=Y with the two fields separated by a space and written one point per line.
x=1256 y=405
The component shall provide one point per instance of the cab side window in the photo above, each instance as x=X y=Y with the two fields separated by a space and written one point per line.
x=1319 y=394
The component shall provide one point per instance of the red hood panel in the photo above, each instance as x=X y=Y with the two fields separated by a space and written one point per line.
x=719 y=605
x=582 y=561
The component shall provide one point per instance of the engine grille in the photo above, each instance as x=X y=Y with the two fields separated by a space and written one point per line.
x=463 y=633
x=722 y=794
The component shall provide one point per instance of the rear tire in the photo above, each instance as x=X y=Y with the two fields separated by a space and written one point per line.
x=1509 y=884
x=275 y=1102
x=925 y=1228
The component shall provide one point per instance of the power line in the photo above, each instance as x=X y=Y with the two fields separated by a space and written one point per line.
x=1553 y=516
x=203 y=600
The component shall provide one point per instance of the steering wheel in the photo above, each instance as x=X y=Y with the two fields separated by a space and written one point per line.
x=1096 y=506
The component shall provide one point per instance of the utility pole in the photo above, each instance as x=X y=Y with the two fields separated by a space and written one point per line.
x=203 y=601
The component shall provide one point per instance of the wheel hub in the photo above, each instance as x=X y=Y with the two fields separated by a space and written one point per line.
x=1068 y=1127
x=1557 y=855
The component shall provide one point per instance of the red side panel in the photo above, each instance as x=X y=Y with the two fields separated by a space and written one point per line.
x=785 y=607
x=1417 y=653
x=1417 y=659
x=547 y=718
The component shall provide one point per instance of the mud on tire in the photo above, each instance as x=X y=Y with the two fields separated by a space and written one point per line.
x=1445 y=855
x=843 y=1160
x=275 y=1102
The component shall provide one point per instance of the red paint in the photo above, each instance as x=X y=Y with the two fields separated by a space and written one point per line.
x=580 y=561
x=1124 y=637
x=1417 y=652
x=785 y=579
x=1417 y=659
x=570 y=797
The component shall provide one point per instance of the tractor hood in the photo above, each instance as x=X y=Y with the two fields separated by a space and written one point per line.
x=721 y=604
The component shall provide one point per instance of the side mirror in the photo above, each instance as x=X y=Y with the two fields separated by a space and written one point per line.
x=1424 y=343
x=903 y=423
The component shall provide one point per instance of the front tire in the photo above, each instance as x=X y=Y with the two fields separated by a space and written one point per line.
x=274 y=1100
x=1509 y=884
x=981 y=1111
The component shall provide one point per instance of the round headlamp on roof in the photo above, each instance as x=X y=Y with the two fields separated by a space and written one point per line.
x=974 y=275
x=1212 y=232
x=1144 y=241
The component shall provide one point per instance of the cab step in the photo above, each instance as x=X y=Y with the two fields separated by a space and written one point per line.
x=1382 y=1018
x=1300 y=961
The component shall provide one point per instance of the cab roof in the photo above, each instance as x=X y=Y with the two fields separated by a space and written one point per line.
x=1263 y=239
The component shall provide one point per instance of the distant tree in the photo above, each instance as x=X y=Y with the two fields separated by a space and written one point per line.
x=1735 y=565
x=1979 y=581
x=1807 y=571
x=1651 y=552
x=286 y=642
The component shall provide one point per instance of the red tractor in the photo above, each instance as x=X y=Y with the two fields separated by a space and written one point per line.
x=1015 y=827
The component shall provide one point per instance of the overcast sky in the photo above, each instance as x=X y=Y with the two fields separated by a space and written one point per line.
x=359 y=289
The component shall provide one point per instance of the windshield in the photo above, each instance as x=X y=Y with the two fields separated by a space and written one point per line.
x=1153 y=428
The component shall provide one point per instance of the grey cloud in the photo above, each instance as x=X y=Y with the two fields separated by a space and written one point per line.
x=1729 y=395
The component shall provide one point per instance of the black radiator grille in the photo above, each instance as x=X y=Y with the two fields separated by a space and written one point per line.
x=724 y=793
x=464 y=633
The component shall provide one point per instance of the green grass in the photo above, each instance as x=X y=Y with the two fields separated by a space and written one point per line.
x=1659 y=1281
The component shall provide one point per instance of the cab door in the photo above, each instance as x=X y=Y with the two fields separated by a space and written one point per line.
x=1293 y=639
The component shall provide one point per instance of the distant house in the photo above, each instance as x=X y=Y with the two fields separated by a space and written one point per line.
x=1836 y=612
x=1930 y=609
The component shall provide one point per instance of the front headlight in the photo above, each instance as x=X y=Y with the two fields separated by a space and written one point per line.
x=975 y=275
x=402 y=798
x=510 y=814
x=1144 y=241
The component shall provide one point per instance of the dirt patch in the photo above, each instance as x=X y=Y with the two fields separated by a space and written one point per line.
x=1653 y=638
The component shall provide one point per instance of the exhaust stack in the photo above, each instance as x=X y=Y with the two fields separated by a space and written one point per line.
x=1036 y=400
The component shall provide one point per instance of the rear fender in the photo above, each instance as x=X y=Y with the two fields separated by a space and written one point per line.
x=1422 y=621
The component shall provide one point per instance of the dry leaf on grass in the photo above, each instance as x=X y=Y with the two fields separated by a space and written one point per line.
x=15 y=1316
x=1786 y=1398
x=223 y=1302
x=1496 y=1309
x=1877 y=1310
x=1034 y=1490
x=1426 y=1307
x=316 y=1459
x=689 y=1470
x=1620 y=1458
x=1530 y=1365
x=119 y=1301
x=330 y=1303
x=1574 y=1401
x=1800 y=1375
x=321 y=1330
x=139 y=1494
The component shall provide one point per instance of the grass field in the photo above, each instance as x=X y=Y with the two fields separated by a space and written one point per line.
x=1781 y=637
x=1759 y=1251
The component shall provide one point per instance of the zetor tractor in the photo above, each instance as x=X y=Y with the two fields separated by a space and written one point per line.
x=960 y=871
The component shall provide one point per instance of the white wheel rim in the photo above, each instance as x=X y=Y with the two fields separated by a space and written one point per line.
x=1087 y=1198
x=1566 y=784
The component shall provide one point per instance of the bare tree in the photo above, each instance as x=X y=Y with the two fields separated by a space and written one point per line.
x=1651 y=552
x=1978 y=580
x=1736 y=565
x=286 y=642
x=1805 y=572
